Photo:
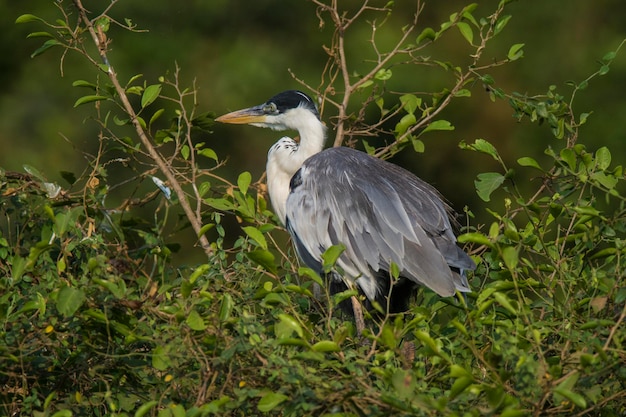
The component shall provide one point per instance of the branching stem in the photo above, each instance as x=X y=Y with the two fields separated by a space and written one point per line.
x=99 y=40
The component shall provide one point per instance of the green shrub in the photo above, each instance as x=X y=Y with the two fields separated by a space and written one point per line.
x=97 y=318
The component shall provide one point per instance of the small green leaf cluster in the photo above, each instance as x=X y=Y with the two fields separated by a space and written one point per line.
x=554 y=298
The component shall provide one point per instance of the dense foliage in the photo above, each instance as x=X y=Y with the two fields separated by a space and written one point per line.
x=98 y=318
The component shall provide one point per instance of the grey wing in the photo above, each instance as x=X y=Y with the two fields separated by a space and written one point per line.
x=382 y=214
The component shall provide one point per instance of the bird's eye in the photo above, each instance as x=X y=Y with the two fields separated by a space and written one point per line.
x=270 y=108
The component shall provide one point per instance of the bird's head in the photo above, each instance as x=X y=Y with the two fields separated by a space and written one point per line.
x=290 y=109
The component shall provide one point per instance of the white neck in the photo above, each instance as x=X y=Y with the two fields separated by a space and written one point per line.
x=286 y=156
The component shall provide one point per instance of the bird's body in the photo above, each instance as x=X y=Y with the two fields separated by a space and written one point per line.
x=381 y=213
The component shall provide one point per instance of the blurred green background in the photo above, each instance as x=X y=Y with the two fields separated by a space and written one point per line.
x=239 y=52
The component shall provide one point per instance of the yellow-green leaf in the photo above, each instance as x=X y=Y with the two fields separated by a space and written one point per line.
x=466 y=31
x=516 y=52
x=290 y=325
x=330 y=256
x=527 y=161
x=195 y=321
x=256 y=235
x=326 y=346
x=487 y=183
x=439 y=125
x=150 y=94
x=264 y=258
x=270 y=401
x=510 y=257
x=89 y=99
x=25 y=18
x=243 y=181
x=427 y=33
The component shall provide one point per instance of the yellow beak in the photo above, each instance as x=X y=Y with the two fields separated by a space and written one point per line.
x=246 y=116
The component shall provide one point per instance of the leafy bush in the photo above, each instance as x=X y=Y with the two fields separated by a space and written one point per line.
x=97 y=318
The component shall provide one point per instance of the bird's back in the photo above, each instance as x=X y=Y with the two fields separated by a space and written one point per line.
x=382 y=214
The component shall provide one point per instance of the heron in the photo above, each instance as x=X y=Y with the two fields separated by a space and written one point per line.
x=382 y=214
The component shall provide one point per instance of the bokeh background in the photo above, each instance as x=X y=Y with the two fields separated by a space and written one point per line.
x=239 y=53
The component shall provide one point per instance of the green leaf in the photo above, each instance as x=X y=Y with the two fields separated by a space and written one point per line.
x=287 y=326
x=565 y=389
x=220 y=204
x=394 y=270
x=569 y=157
x=410 y=102
x=481 y=145
x=198 y=272
x=308 y=272
x=150 y=94
x=270 y=401
x=46 y=45
x=133 y=79
x=195 y=321
x=505 y=302
x=604 y=69
x=512 y=412
x=184 y=152
x=26 y=18
x=464 y=92
x=264 y=258
x=256 y=235
x=501 y=23
x=135 y=89
x=145 y=408
x=457 y=371
x=428 y=34
x=226 y=307
x=610 y=56
x=69 y=300
x=39 y=35
x=460 y=385
x=418 y=145
x=205 y=228
x=365 y=84
x=487 y=183
x=89 y=99
x=383 y=74
x=330 y=256
x=603 y=158
x=34 y=172
x=608 y=181
x=516 y=52
x=19 y=265
x=475 y=237
x=438 y=125
x=83 y=83
x=326 y=346
x=102 y=24
x=109 y=285
x=403 y=125
x=404 y=383
x=427 y=340
x=155 y=116
x=583 y=118
x=510 y=257
x=466 y=31
x=208 y=153
x=243 y=181
x=527 y=161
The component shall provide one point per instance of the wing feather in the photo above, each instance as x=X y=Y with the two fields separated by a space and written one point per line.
x=382 y=214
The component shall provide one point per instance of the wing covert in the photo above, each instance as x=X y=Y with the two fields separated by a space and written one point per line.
x=381 y=213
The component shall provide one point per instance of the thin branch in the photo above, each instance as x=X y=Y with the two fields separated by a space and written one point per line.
x=99 y=40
